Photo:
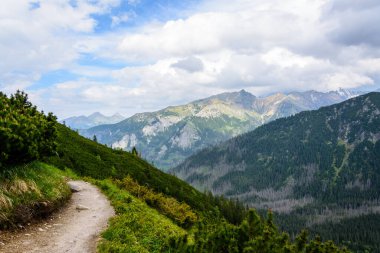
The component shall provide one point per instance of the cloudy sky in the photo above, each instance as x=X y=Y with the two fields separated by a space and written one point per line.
x=79 y=56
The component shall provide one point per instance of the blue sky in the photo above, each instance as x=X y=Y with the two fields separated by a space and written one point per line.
x=79 y=56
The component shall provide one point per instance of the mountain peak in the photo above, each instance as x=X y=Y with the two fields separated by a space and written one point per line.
x=118 y=115
x=240 y=98
x=96 y=114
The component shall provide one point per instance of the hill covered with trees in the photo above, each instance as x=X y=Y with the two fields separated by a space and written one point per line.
x=314 y=168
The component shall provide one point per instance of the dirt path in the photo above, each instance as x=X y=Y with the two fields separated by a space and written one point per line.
x=74 y=229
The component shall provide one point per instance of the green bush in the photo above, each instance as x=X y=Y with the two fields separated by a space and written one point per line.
x=254 y=234
x=25 y=133
x=181 y=213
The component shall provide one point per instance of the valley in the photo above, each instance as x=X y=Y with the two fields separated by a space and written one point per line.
x=314 y=168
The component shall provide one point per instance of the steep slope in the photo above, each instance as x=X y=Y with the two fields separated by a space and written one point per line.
x=168 y=136
x=319 y=166
x=332 y=149
x=95 y=119
x=91 y=159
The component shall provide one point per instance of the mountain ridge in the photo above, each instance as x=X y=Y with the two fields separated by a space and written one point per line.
x=318 y=157
x=317 y=169
x=92 y=120
x=166 y=137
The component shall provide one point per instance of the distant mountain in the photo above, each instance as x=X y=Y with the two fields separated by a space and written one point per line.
x=316 y=152
x=168 y=136
x=319 y=166
x=95 y=119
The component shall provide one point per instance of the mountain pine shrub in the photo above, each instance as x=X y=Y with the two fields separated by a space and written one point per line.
x=25 y=133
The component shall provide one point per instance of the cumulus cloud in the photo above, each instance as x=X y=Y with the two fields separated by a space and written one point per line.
x=259 y=45
x=356 y=22
x=190 y=64
x=40 y=36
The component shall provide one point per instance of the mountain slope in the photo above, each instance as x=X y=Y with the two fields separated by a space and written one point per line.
x=168 y=136
x=317 y=166
x=333 y=149
x=91 y=159
x=95 y=119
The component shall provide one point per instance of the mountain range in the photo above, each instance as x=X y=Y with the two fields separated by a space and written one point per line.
x=95 y=119
x=314 y=167
x=168 y=136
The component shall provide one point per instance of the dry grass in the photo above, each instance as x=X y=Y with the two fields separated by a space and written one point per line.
x=5 y=202
x=18 y=186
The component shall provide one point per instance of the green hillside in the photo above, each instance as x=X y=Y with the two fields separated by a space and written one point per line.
x=314 y=167
x=30 y=191
x=91 y=159
x=155 y=212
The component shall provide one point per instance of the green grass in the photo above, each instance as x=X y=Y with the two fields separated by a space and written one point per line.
x=29 y=191
x=136 y=227
x=87 y=158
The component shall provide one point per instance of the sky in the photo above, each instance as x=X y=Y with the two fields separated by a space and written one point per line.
x=76 y=57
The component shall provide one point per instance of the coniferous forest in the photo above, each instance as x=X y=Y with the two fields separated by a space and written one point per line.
x=317 y=170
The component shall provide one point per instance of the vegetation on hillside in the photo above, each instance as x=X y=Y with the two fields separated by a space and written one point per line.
x=254 y=234
x=313 y=167
x=181 y=213
x=30 y=191
x=137 y=227
x=91 y=159
x=153 y=208
x=25 y=133
x=27 y=189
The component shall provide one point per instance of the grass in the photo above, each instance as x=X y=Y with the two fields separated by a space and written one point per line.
x=91 y=159
x=30 y=191
x=136 y=226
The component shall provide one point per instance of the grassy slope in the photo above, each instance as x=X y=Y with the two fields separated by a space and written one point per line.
x=137 y=227
x=30 y=191
x=88 y=158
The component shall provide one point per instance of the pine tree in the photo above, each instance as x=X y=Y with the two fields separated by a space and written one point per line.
x=134 y=151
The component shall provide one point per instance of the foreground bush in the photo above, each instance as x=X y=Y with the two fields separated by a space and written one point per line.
x=181 y=213
x=25 y=133
x=253 y=235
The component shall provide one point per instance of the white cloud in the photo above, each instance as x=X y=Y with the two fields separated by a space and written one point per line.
x=284 y=58
x=262 y=46
x=37 y=40
x=117 y=20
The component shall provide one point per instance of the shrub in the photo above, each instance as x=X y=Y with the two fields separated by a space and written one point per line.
x=25 y=133
x=181 y=213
